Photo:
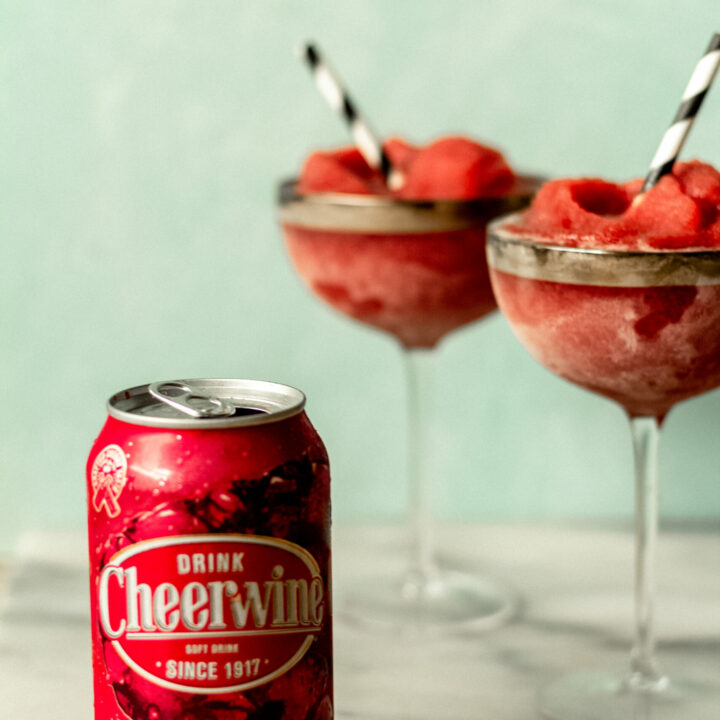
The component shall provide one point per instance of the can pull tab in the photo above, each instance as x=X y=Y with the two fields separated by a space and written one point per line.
x=181 y=396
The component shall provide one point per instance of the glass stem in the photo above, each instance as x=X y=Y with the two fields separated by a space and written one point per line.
x=422 y=567
x=645 y=673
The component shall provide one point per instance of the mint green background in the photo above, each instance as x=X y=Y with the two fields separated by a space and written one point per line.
x=140 y=143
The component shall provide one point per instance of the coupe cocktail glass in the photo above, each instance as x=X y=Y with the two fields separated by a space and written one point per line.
x=641 y=328
x=416 y=270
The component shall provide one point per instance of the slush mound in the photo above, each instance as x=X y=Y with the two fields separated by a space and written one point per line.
x=450 y=168
x=681 y=211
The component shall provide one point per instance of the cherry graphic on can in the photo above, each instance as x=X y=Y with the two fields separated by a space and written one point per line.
x=209 y=532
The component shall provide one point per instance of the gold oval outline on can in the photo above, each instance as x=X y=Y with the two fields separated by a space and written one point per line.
x=171 y=540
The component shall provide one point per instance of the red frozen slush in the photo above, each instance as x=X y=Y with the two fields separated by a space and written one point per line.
x=639 y=320
x=414 y=279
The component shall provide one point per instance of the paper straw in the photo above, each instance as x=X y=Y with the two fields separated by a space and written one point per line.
x=692 y=98
x=337 y=97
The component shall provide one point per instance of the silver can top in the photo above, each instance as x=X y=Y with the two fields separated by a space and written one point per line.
x=206 y=403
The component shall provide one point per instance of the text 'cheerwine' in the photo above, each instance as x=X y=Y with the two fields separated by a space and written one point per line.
x=210 y=613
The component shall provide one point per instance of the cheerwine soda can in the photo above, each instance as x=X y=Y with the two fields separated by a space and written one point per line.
x=209 y=529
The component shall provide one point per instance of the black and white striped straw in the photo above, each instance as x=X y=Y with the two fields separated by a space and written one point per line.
x=337 y=97
x=692 y=98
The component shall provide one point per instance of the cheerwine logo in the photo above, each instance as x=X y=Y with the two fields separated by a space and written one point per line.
x=211 y=613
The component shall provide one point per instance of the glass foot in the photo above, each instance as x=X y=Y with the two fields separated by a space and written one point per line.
x=606 y=696
x=447 y=601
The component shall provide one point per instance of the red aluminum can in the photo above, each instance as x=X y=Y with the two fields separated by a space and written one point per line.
x=209 y=536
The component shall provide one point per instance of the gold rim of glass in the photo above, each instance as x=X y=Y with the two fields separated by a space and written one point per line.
x=347 y=212
x=521 y=254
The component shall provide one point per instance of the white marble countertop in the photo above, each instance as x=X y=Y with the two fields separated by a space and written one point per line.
x=577 y=611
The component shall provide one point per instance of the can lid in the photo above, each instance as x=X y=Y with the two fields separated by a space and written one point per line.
x=206 y=403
